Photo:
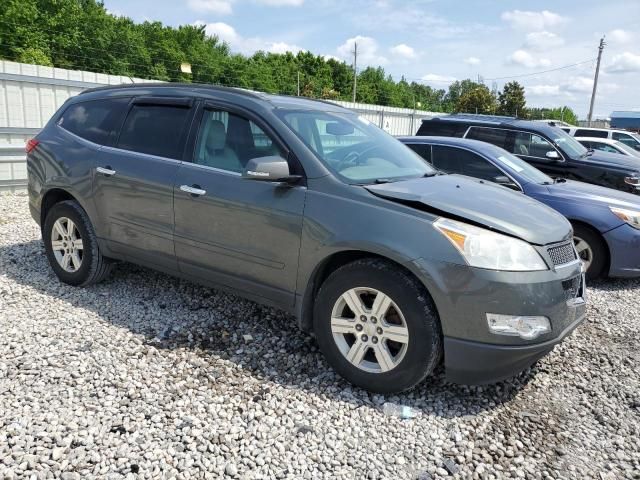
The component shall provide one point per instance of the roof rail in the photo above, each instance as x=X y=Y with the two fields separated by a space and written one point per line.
x=192 y=86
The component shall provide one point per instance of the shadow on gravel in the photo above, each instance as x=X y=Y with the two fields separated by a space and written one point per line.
x=175 y=314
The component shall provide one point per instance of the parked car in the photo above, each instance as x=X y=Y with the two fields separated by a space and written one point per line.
x=305 y=206
x=608 y=145
x=606 y=222
x=628 y=138
x=545 y=147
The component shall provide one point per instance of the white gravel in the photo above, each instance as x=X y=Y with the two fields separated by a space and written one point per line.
x=147 y=376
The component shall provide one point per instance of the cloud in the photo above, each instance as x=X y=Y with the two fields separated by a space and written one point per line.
x=543 y=90
x=403 y=51
x=472 y=61
x=543 y=40
x=245 y=45
x=532 y=21
x=281 y=3
x=435 y=78
x=220 y=7
x=624 y=63
x=525 y=59
x=367 y=51
x=572 y=87
x=619 y=36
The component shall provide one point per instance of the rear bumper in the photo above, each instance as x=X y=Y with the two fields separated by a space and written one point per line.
x=624 y=248
x=475 y=363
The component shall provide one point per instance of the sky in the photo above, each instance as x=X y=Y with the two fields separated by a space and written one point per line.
x=438 y=41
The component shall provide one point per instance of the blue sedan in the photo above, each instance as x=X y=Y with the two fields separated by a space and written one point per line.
x=606 y=222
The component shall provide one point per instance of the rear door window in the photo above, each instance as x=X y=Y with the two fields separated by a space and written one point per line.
x=155 y=130
x=591 y=133
x=421 y=149
x=442 y=129
x=463 y=162
x=495 y=136
x=96 y=120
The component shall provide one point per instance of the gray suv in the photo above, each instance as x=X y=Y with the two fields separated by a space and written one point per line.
x=308 y=207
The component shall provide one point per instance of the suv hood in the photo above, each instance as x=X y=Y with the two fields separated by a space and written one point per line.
x=588 y=194
x=485 y=204
x=617 y=159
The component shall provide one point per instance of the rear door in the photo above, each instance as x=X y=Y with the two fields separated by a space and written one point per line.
x=244 y=234
x=133 y=183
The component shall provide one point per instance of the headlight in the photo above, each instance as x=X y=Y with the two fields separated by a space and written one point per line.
x=486 y=249
x=628 y=216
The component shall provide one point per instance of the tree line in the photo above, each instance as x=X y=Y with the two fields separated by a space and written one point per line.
x=83 y=35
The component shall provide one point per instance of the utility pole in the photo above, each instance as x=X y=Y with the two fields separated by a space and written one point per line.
x=298 y=82
x=355 y=69
x=595 y=80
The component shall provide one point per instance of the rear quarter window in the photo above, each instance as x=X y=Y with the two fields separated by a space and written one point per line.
x=95 y=120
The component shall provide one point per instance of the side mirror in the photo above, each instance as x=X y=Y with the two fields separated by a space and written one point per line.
x=553 y=155
x=637 y=146
x=269 y=169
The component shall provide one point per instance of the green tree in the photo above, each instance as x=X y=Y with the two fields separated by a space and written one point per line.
x=477 y=100
x=511 y=100
x=565 y=114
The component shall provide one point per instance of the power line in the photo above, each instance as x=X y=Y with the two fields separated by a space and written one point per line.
x=543 y=71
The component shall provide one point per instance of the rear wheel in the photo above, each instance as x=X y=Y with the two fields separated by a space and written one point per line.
x=377 y=326
x=591 y=249
x=72 y=246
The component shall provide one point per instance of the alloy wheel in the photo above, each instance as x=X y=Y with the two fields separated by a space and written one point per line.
x=369 y=329
x=66 y=244
x=585 y=252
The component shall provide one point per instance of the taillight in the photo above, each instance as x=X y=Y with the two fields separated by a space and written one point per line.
x=31 y=144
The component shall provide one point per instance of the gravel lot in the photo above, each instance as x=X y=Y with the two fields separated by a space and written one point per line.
x=147 y=376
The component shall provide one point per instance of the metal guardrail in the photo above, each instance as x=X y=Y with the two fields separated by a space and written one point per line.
x=14 y=177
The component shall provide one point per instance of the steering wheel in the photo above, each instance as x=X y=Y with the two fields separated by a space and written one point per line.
x=352 y=157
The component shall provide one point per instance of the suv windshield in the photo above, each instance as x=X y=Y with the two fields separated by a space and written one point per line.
x=523 y=169
x=568 y=144
x=353 y=148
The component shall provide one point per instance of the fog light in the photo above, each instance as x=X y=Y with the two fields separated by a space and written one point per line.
x=519 y=326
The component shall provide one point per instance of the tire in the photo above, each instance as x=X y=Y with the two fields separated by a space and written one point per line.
x=92 y=266
x=592 y=248
x=410 y=359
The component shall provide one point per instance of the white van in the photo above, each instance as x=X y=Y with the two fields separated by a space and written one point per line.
x=628 y=138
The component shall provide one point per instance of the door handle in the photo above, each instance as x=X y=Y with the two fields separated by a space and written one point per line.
x=106 y=171
x=193 y=190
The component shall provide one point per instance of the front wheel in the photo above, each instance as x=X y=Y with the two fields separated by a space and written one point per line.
x=377 y=326
x=591 y=250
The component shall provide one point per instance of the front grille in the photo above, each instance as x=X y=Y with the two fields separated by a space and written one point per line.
x=562 y=254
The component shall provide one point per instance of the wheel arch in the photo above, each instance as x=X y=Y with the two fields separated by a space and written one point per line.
x=329 y=265
x=595 y=231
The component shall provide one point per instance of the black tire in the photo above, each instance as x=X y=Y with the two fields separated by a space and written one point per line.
x=424 y=348
x=94 y=267
x=598 y=248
